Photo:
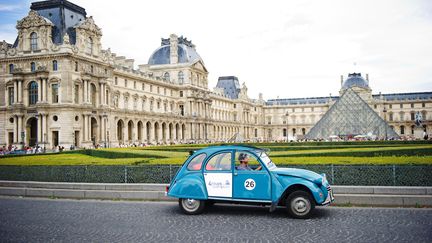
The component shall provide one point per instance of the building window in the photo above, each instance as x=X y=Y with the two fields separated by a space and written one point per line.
x=235 y=106
x=33 y=66
x=294 y=131
x=412 y=129
x=91 y=69
x=11 y=95
x=401 y=106
x=54 y=89
x=375 y=106
x=76 y=66
x=158 y=90
x=76 y=94
x=143 y=86
x=126 y=83
x=304 y=131
x=33 y=93
x=391 y=117
x=134 y=84
x=181 y=93
x=158 y=105
x=423 y=104
x=164 y=91
x=115 y=80
x=151 y=88
x=402 y=116
x=390 y=106
x=284 y=132
x=412 y=116
x=412 y=105
x=256 y=132
x=181 y=110
x=89 y=46
x=55 y=65
x=180 y=77
x=165 y=107
x=402 y=130
x=11 y=69
x=166 y=76
x=33 y=41
x=151 y=105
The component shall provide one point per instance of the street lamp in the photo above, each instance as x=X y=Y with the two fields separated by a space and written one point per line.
x=385 y=119
x=287 y=114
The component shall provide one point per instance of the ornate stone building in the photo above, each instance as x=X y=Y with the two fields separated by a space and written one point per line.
x=60 y=87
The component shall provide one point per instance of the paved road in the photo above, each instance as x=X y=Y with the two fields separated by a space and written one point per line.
x=45 y=220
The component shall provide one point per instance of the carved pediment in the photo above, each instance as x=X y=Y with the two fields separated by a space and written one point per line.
x=33 y=19
x=89 y=25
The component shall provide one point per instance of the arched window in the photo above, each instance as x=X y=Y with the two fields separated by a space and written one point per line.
x=55 y=65
x=402 y=130
x=33 y=66
x=11 y=68
x=166 y=76
x=33 y=93
x=33 y=41
x=180 y=77
x=89 y=46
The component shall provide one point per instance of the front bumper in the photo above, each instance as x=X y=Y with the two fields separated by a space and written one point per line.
x=330 y=196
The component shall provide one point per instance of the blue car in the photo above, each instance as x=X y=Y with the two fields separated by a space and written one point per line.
x=245 y=174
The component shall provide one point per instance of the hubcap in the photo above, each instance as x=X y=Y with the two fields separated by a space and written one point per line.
x=300 y=205
x=190 y=205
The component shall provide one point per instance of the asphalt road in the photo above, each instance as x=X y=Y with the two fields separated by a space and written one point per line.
x=54 y=220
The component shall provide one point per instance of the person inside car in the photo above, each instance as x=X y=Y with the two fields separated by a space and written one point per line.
x=244 y=160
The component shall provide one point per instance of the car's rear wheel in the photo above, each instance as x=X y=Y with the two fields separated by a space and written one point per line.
x=300 y=204
x=191 y=206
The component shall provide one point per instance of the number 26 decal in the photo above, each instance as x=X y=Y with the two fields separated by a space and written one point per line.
x=249 y=184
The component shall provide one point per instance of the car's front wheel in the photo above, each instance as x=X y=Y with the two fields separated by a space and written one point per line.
x=191 y=206
x=300 y=204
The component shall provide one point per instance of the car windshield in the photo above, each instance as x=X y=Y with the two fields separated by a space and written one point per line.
x=267 y=161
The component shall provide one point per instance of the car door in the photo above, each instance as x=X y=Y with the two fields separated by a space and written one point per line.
x=218 y=175
x=251 y=184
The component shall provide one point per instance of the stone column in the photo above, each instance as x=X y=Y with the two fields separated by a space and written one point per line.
x=144 y=133
x=151 y=131
x=15 y=83
x=20 y=128
x=20 y=91
x=85 y=129
x=39 y=129
x=45 y=89
x=85 y=92
x=159 y=132
x=39 y=82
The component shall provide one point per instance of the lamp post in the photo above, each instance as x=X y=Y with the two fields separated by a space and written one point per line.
x=287 y=116
x=385 y=119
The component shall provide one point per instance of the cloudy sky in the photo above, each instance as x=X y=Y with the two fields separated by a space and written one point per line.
x=283 y=48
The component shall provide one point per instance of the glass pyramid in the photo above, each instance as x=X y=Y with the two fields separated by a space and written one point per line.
x=351 y=116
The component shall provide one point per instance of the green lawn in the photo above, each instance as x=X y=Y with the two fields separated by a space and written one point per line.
x=292 y=153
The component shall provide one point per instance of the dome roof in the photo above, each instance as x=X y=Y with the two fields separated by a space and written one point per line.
x=355 y=79
x=186 y=52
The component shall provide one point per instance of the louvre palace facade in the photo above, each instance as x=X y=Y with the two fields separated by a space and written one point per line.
x=60 y=87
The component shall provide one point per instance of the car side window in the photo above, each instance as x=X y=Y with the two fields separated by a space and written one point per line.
x=246 y=161
x=220 y=161
x=196 y=163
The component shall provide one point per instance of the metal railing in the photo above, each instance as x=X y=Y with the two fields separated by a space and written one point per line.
x=374 y=175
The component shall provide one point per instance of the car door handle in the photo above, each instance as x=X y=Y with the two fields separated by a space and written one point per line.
x=235 y=174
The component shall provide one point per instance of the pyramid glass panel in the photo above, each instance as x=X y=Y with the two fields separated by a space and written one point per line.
x=351 y=116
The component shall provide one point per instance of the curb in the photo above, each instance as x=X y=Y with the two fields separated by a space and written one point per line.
x=344 y=195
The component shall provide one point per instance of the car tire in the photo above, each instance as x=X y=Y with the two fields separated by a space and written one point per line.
x=191 y=206
x=300 y=204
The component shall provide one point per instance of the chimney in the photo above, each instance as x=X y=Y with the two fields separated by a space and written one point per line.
x=173 y=49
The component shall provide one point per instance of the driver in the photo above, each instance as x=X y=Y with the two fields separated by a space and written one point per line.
x=244 y=160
